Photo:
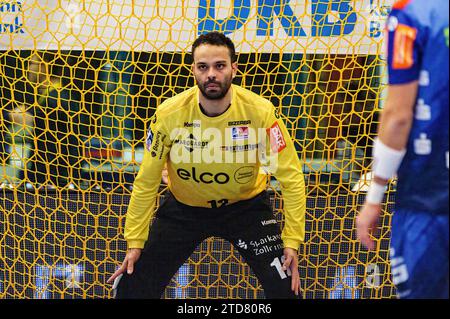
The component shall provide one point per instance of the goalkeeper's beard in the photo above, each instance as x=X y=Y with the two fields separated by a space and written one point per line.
x=217 y=94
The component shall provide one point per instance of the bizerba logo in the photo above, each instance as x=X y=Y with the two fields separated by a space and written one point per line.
x=192 y=124
x=268 y=222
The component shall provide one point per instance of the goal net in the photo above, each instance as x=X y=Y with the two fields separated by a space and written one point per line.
x=79 y=81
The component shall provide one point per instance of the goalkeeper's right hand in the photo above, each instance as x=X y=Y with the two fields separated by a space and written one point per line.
x=131 y=258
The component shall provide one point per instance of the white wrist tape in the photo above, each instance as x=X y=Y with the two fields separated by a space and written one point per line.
x=376 y=193
x=386 y=160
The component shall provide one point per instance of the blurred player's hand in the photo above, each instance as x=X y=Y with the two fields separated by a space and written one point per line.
x=131 y=258
x=366 y=224
x=291 y=262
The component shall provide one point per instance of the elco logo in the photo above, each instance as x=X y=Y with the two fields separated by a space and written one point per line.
x=206 y=177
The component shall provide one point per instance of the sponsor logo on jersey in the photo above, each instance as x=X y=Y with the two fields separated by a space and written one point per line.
x=239 y=133
x=423 y=111
x=237 y=123
x=192 y=124
x=242 y=244
x=244 y=174
x=265 y=240
x=239 y=148
x=203 y=177
x=191 y=143
x=423 y=145
x=277 y=141
x=401 y=4
x=268 y=222
x=424 y=78
x=403 y=52
x=149 y=139
x=158 y=145
x=392 y=23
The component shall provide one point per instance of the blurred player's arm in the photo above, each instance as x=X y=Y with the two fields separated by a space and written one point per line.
x=404 y=42
x=393 y=132
x=390 y=146
x=397 y=116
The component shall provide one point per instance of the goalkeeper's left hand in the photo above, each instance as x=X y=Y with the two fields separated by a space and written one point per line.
x=291 y=262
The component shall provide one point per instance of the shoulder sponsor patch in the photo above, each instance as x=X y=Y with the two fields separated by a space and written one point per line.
x=149 y=139
x=403 y=51
x=400 y=4
x=277 y=141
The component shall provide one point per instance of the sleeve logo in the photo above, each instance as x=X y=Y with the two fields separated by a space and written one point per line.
x=403 y=55
x=149 y=139
x=277 y=142
x=401 y=4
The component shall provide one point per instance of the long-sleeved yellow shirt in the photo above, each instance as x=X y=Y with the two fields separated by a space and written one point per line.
x=215 y=161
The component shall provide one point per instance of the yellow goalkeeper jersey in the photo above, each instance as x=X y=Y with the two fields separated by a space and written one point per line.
x=215 y=161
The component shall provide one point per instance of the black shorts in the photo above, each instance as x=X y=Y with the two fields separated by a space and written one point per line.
x=178 y=229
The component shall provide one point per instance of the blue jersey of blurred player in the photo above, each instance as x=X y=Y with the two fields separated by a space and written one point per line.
x=413 y=142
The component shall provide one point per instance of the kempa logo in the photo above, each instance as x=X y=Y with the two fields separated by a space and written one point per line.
x=268 y=222
x=192 y=124
x=10 y=16
x=236 y=123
